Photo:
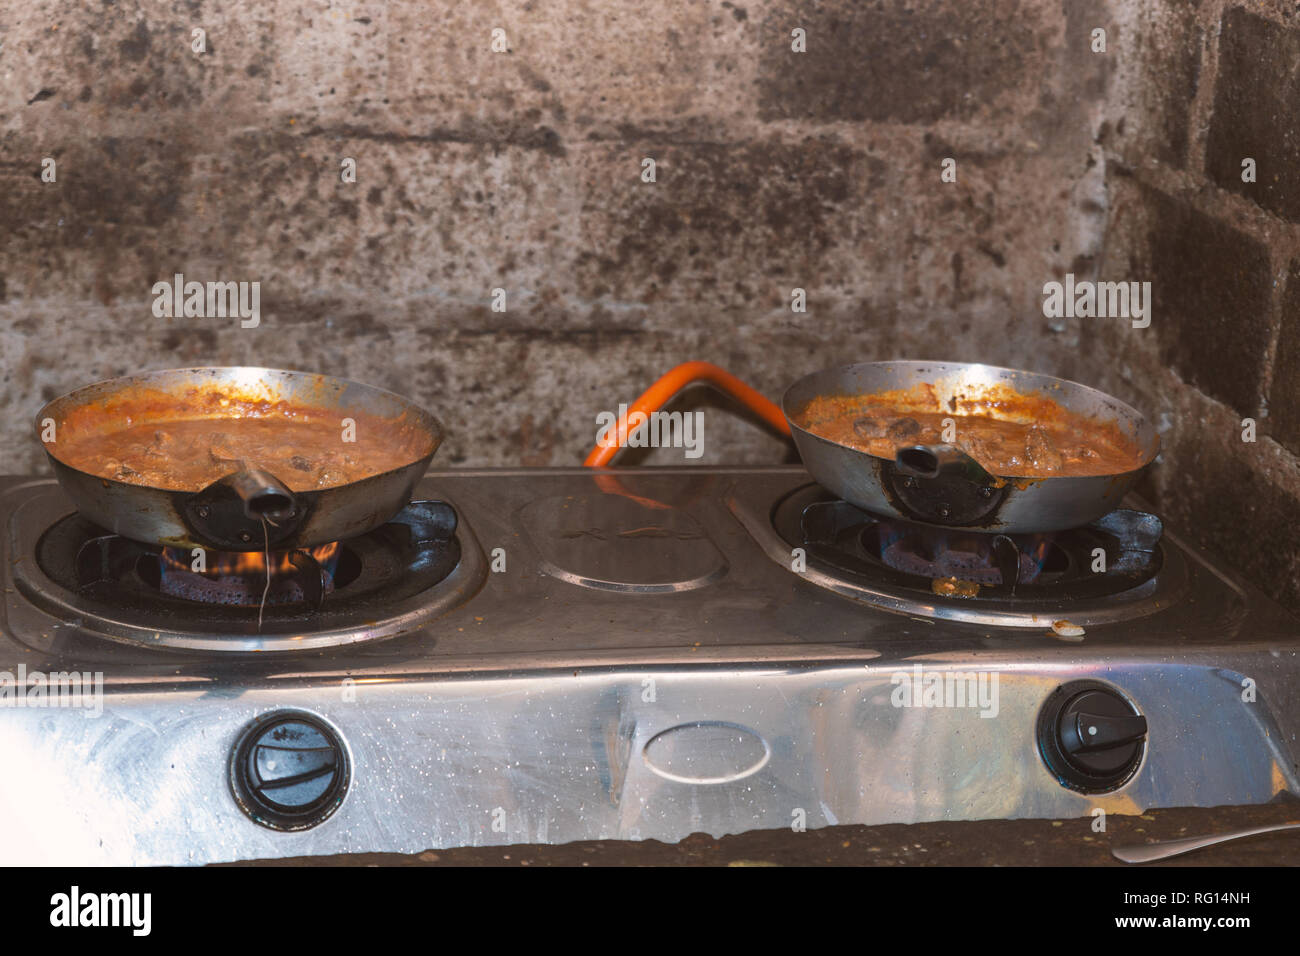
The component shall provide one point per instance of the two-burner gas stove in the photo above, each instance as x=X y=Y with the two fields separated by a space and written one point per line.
x=541 y=656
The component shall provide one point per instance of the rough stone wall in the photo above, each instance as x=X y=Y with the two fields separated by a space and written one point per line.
x=1212 y=84
x=521 y=170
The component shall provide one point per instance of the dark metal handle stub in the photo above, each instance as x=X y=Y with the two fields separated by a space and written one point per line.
x=941 y=485
x=244 y=511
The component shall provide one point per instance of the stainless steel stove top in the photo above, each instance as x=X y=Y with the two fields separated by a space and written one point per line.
x=633 y=654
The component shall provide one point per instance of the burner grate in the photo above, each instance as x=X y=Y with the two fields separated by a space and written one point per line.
x=1112 y=555
x=252 y=578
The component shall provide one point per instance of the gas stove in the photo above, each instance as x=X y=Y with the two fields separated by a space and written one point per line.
x=541 y=656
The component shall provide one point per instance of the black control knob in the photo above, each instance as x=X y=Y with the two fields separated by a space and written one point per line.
x=289 y=771
x=1090 y=736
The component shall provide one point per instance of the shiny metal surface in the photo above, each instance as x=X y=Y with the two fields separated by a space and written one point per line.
x=549 y=709
x=1164 y=849
x=179 y=519
x=1030 y=505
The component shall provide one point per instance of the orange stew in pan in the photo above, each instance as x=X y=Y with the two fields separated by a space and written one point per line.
x=155 y=440
x=1007 y=432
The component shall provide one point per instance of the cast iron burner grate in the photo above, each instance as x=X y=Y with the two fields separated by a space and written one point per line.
x=303 y=575
x=1111 y=556
x=315 y=589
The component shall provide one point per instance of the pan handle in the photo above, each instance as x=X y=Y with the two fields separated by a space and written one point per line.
x=263 y=495
x=934 y=461
x=246 y=509
x=941 y=484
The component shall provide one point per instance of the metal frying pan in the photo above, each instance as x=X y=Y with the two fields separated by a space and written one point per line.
x=229 y=514
x=940 y=484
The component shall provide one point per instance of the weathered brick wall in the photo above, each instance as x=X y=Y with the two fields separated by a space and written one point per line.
x=522 y=170
x=1208 y=86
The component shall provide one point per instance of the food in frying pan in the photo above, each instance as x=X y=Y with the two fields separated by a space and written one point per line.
x=1011 y=434
x=160 y=444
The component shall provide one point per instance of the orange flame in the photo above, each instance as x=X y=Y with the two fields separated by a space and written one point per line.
x=220 y=564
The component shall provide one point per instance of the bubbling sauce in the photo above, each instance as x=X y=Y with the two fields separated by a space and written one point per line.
x=1010 y=434
x=303 y=447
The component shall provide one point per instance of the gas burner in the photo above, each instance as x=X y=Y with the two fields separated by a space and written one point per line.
x=373 y=586
x=1111 y=569
x=1110 y=556
x=980 y=559
x=254 y=578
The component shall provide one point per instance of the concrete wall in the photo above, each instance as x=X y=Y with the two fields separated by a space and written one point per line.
x=521 y=170
x=1211 y=85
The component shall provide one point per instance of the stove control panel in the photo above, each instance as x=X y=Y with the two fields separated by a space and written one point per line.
x=1091 y=737
x=289 y=770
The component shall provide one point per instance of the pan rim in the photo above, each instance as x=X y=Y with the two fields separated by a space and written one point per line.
x=1138 y=417
x=426 y=419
